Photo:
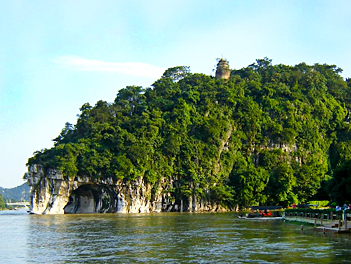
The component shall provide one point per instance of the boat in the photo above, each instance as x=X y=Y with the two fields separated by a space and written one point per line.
x=263 y=218
x=264 y=213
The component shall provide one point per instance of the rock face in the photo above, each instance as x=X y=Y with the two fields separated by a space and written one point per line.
x=53 y=193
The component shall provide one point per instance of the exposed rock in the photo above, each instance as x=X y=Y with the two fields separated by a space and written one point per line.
x=53 y=193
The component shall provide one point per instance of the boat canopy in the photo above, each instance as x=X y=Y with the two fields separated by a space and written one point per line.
x=265 y=207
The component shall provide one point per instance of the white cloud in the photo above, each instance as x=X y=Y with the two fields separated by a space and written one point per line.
x=132 y=68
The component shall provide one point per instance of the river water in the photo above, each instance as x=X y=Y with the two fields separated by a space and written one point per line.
x=163 y=238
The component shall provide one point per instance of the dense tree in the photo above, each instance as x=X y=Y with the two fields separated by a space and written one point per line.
x=340 y=184
x=271 y=134
x=2 y=203
x=177 y=73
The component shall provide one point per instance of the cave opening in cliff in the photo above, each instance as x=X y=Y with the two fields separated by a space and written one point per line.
x=89 y=199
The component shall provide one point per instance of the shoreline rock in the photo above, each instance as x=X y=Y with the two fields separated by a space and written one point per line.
x=53 y=193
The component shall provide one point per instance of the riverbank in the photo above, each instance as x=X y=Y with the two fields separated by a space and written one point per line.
x=322 y=225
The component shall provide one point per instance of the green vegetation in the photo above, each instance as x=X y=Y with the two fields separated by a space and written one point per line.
x=340 y=184
x=2 y=203
x=271 y=134
x=319 y=204
x=313 y=212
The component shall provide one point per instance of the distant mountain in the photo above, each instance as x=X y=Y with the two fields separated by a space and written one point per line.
x=19 y=193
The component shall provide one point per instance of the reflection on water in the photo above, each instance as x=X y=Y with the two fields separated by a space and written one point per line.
x=168 y=237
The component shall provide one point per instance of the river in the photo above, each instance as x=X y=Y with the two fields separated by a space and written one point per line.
x=163 y=238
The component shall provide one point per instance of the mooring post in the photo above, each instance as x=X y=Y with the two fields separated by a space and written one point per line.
x=315 y=222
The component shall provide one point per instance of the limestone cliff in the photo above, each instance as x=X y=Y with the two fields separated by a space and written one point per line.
x=53 y=193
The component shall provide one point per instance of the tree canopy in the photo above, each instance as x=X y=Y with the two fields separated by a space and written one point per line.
x=2 y=203
x=271 y=134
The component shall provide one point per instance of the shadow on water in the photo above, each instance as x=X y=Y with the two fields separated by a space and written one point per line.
x=175 y=238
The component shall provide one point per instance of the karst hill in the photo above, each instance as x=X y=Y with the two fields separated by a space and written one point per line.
x=261 y=135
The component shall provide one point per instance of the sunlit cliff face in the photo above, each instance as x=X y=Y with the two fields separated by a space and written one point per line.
x=53 y=193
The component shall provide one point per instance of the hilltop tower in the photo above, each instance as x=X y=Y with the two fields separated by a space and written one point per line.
x=222 y=71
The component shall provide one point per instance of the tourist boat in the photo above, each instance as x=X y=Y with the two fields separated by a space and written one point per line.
x=264 y=213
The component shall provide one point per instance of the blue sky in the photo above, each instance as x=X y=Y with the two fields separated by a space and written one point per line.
x=57 y=55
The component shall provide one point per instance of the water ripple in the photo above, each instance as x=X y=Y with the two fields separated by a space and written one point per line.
x=164 y=238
